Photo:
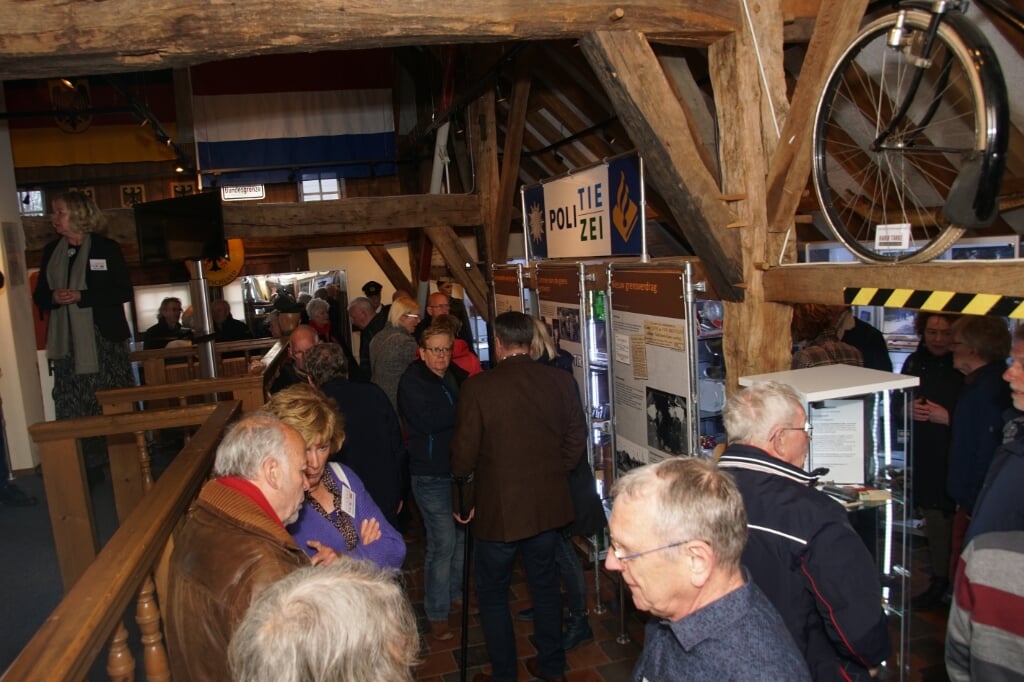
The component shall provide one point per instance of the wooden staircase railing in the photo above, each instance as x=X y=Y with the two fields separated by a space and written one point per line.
x=91 y=613
x=233 y=358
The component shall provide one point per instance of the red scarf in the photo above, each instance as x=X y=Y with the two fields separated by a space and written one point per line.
x=249 y=490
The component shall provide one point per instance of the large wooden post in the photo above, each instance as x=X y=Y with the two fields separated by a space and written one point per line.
x=756 y=334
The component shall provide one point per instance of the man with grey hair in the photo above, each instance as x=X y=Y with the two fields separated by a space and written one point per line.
x=677 y=531
x=233 y=543
x=368 y=321
x=802 y=550
x=346 y=622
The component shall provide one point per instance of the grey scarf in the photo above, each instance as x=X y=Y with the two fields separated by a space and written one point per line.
x=71 y=325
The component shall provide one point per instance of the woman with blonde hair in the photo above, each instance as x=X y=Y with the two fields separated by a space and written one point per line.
x=84 y=284
x=394 y=347
x=338 y=513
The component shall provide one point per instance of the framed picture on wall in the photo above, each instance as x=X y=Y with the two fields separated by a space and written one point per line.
x=87 y=191
x=181 y=188
x=132 y=195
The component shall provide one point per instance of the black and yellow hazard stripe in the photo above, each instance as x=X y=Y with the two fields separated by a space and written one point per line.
x=937 y=301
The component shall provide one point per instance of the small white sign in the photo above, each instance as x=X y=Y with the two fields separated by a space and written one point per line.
x=243 y=193
x=892 y=237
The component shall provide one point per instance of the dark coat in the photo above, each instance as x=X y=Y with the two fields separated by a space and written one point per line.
x=426 y=403
x=586 y=503
x=363 y=371
x=159 y=335
x=109 y=287
x=977 y=431
x=232 y=330
x=519 y=432
x=940 y=383
x=373 y=445
x=1000 y=505
x=809 y=562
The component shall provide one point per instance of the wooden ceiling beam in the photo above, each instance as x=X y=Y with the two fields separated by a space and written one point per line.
x=516 y=124
x=790 y=166
x=824 y=283
x=55 y=38
x=391 y=269
x=454 y=252
x=634 y=81
x=353 y=216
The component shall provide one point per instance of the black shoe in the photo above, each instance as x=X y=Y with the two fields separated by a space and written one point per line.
x=932 y=597
x=13 y=496
x=577 y=632
x=525 y=614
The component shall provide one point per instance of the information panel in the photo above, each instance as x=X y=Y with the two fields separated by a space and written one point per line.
x=651 y=369
x=597 y=211
x=508 y=289
x=558 y=300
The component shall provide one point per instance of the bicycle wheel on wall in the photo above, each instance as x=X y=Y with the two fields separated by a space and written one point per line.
x=888 y=152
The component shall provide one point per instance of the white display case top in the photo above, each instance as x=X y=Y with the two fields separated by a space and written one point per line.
x=835 y=381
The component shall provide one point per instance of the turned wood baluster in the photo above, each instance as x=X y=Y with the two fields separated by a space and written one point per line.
x=120 y=662
x=147 y=611
x=147 y=615
x=145 y=462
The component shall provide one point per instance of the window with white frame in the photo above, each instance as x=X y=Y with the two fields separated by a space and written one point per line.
x=30 y=202
x=325 y=186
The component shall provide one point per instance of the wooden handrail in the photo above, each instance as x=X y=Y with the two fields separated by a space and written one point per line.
x=220 y=348
x=105 y=425
x=166 y=365
x=248 y=388
x=67 y=493
x=72 y=637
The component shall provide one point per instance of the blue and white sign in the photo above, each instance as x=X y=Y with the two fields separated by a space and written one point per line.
x=590 y=213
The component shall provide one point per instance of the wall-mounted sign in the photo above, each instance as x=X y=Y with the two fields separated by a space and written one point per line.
x=243 y=193
x=592 y=212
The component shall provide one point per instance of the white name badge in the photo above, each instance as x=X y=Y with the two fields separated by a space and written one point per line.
x=98 y=264
x=348 y=501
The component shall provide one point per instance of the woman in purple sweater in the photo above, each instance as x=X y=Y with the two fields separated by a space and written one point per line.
x=338 y=516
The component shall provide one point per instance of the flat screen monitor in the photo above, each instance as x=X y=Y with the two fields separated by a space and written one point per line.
x=182 y=229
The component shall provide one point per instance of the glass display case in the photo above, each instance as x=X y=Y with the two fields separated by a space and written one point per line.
x=861 y=447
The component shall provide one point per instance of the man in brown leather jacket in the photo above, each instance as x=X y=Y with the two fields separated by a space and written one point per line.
x=234 y=543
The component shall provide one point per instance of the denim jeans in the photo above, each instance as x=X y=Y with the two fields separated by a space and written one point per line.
x=572 y=575
x=442 y=574
x=493 y=568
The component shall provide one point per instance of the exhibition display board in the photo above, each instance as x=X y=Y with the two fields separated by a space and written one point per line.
x=570 y=302
x=509 y=292
x=653 y=363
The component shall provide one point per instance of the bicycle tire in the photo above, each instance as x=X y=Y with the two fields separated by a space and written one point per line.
x=955 y=128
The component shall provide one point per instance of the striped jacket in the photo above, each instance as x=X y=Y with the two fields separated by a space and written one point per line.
x=805 y=556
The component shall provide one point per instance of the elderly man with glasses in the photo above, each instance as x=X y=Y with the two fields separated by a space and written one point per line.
x=677 y=533
x=802 y=551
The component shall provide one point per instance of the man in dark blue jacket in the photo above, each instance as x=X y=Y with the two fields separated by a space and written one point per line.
x=1000 y=505
x=802 y=551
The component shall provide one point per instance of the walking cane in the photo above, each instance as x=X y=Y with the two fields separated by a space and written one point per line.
x=460 y=482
